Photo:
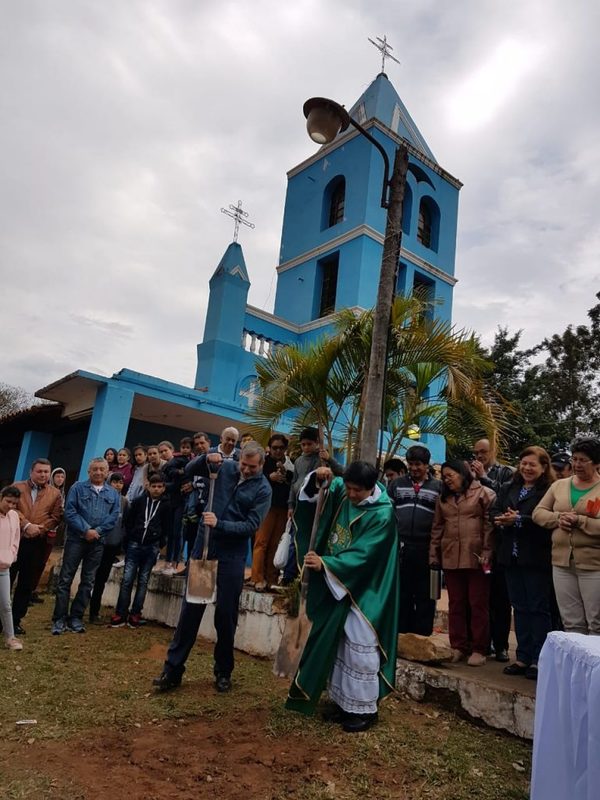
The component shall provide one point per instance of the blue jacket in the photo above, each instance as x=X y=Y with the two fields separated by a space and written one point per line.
x=86 y=508
x=240 y=507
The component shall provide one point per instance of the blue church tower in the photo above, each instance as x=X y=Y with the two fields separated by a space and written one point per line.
x=333 y=227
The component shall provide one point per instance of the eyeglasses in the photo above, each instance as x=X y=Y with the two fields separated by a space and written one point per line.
x=576 y=460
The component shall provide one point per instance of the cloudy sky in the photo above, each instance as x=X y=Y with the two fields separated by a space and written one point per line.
x=128 y=124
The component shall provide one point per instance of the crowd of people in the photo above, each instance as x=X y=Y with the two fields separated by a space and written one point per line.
x=520 y=540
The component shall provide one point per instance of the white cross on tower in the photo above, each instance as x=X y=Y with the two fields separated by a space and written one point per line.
x=385 y=50
x=238 y=215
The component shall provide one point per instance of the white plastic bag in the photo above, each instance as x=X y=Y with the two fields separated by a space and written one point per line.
x=283 y=548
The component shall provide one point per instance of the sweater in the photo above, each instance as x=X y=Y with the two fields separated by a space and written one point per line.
x=9 y=538
x=414 y=511
x=582 y=543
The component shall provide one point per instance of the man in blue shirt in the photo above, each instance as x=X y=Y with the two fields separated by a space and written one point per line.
x=91 y=511
x=242 y=497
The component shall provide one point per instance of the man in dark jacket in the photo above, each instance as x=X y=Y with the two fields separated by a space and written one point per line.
x=414 y=497
x=147 y=525
x=242 y=497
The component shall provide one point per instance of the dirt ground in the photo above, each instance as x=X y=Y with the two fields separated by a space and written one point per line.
x=101 y=732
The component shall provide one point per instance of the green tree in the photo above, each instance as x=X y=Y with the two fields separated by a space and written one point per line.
x=552 y=389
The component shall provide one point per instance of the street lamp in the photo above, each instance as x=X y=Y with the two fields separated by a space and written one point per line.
x=325 y=119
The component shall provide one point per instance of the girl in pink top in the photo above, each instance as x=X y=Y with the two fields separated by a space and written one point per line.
x=9 y=546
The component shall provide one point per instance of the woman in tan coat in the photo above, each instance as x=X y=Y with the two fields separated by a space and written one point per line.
x=571 y=509
x=461 y=543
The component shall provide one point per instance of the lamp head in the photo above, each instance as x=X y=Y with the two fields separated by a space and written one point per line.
x=324 y=119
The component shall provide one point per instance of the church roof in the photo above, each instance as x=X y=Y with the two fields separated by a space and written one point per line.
x=382 y=102
x=233 y=263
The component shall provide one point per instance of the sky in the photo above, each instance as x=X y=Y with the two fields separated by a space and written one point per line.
x=128 y=125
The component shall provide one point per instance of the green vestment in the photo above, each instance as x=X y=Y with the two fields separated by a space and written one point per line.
x=359 y=546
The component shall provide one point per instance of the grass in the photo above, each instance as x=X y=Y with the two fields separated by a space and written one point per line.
x=102 y=682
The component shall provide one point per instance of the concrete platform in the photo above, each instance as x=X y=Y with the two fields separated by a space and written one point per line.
x=261 y=620
x=483 y=693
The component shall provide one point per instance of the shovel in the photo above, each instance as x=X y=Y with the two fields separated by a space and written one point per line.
x=202 y=573
x=298 y=628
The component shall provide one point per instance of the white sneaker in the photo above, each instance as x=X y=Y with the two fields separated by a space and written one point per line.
x=120 y=563
x=168 y=571
x=14 y=644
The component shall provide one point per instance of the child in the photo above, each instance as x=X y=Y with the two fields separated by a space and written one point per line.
x=10 y=528
x=174 y=473
x=147 y=525
x=313 y=455
x=136 y=487
x=112 y=547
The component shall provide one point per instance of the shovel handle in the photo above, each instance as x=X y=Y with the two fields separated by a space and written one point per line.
x=212 y=474
x=313 y=538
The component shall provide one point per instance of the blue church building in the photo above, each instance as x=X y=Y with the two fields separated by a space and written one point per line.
x=330 y=255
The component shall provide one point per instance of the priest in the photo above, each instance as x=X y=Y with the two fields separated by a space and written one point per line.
x=353 y=597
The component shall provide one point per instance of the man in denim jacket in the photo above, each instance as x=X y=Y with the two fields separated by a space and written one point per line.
x=91 y=510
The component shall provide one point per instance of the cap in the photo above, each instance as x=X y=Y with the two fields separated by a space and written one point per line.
x=560 y=459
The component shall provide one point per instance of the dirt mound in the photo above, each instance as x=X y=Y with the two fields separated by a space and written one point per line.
x=206 y=758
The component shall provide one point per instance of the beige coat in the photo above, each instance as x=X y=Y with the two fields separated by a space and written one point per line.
x=582 y=542
x=462 y=529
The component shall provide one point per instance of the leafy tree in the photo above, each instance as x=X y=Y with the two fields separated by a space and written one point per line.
x=552 y=389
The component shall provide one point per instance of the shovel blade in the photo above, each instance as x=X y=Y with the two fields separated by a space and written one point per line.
x=202 y=581
x=295 y=635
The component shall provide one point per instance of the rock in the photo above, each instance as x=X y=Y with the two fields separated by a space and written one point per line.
x=427 y=649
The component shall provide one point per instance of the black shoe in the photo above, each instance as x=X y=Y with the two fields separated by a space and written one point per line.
x=502 y=655
x=532 y=672
x=19 y=630
x=35 y=599
x=222 y=683
x=165 y=682
x=96 y=619
x=333 y=713
x=516 y=669
x=355 y=723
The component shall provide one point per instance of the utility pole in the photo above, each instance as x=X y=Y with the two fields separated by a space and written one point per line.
x=373 y=419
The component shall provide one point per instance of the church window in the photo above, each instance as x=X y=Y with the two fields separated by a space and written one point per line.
x=334 y=202
x=424 y=228
x=428 y=227
x=329 y=279
x=338 y=199
x=361 y=113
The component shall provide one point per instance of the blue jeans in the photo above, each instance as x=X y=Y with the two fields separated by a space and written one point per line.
x=139 y=560
x=529 y=591
x=77 y=551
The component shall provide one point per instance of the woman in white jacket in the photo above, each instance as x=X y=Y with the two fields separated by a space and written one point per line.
x=9 y=546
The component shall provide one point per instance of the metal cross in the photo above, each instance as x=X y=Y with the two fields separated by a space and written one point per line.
x=384 y=48
x=238 y=215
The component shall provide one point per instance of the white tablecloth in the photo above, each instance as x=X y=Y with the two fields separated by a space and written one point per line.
x=566 y=739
